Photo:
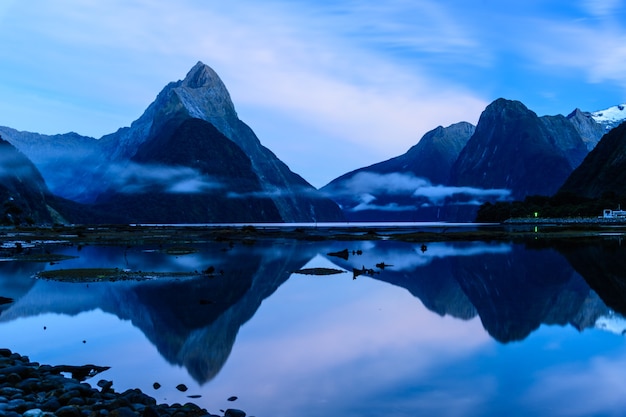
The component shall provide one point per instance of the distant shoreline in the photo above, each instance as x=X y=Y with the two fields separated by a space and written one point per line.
x=13 y=240
x=599 y=221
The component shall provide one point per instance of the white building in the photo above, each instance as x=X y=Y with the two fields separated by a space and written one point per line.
x=614 y=214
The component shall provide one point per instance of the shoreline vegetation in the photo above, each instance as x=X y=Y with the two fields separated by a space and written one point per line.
x=29 y=389
x=21 y=243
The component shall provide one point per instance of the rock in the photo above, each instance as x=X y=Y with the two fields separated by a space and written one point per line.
x=17 y=404
x=122 y=412
x=5 y=300
x=44 y=392
x=68 y=411
x=52 y=404
x=13 y=378
x=105 y=385
x=80 y=373
x=150 y=412
x=10 y=392
x=76 y=401
x=21 y=370
x=35 y=412
x=233 y=412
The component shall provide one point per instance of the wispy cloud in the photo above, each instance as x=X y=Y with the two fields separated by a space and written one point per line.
x=592 y=388
x=594 y=44
x=346 y=84
x=600 y=54
x=278 y=192
x=12 y=165
x=137 y=178
x=293 y=63
x=366 y=189
x=603 y=8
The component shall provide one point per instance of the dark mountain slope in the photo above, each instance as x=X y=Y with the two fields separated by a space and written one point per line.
x=512 y=148
x=202 y=95
x=64 y=161
x=602 y=263
x=604 y=169
x=189 y=173
x=23 y=192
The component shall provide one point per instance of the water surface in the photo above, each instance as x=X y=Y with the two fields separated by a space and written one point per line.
x=452 y=329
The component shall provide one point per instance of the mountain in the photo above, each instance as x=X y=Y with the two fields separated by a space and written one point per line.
x=602 y=263
x=611 y=117
x=173 y=165
x=516 y=293
x=193 y=322
x=512 y=148
x=587 y=127
x=63 y=160
x=202 y=95
x=431 y=158
x=512 y=288
x=604 y=169
x=388 y=190
x=186 y=174
x=23 y=193
x=512 y=153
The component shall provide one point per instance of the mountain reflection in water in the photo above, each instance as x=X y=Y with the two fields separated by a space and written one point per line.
x=512 y=288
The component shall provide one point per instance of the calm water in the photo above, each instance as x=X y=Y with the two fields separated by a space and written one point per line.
x=460 y=329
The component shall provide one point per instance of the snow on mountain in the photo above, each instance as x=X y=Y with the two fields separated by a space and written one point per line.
x=610 y=117
x=613 y=323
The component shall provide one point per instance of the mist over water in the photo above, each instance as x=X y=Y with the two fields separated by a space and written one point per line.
x=370 y=191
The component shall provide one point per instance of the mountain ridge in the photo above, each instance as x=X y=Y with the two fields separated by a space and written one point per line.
x=604 y=168
x=202 y=94
x=513 y=148
x=446 y=173
x=24 y=196
x=84 y=175
x=390 y=188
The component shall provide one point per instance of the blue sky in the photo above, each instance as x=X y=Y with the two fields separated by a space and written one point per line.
x=329 y=86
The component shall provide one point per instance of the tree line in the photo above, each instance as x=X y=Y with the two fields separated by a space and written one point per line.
x=561 y=205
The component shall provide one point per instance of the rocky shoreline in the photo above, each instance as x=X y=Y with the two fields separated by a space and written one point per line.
x=28 y=389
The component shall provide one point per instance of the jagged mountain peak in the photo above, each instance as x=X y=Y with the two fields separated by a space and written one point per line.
x=512 y=148
x=201 y=95
x=502 y=106
x=577 y=113
x=589 y=129
x=201 y=75
x=204 y=96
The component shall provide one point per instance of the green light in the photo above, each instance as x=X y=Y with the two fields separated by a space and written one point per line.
x=536 y=215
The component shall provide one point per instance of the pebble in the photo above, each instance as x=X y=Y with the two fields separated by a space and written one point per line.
x=28 y=389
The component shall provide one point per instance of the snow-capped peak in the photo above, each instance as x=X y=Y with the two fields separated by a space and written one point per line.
x=612 y=322
x=610 y=117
